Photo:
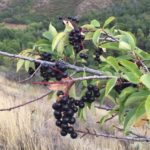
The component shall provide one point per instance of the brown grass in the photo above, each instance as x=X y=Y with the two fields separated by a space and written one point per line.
x=33 y=127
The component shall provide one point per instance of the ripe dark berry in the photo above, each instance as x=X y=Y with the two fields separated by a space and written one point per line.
x=60 y=93
x=76 y=103
x=95 y=89
x=63 y=133
x=84 y=99
x=97 y=94
x=64 y=126
x=91 y=99
x=72 y=120
x=65 y=120
x=75 y=109
x=90 y=87
x=88 y=94
x=65 y=107
x=56 y=106
x=81 y=104
x=57 y=114
x=64 y=99
x=70 y=130
x=70 y=112
x=58 y=123
x=73 y=135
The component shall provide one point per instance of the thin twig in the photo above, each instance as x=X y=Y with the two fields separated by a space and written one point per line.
x=24 y=104
x=31 y=75
x=104 y=108
x=125 y=138
x=42 y=62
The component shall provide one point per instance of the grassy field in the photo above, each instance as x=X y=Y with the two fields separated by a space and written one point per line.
x=33 y=127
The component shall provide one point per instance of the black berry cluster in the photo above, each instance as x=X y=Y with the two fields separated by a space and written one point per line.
x=76 y=39
x=91 y=94
x=58 y=71
x=67 y=107
x=98 y=53
x=122 y=84
x=64 y=111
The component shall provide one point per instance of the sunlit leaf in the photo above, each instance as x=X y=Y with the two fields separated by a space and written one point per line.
x=145 y=79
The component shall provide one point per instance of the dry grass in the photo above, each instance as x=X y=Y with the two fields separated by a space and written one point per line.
x=33 y=127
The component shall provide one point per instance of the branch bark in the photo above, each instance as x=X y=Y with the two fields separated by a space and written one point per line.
x=124 y=138
x=70 y=66
x=24 y=104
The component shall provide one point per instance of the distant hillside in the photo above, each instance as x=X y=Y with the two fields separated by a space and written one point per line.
x=37 y=9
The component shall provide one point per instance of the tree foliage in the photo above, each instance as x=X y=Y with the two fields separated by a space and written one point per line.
x=128 y=82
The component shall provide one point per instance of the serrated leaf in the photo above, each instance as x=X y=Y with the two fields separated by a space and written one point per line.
x=27 y=65
x=108 y=21
x=110 y=84
x=20 y=63
x=145 y=79
x=57 y=40
x=147 y=107
x=96 y=37
x=95 y=23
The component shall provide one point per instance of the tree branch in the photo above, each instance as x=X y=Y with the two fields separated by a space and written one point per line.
x=73 y=67
x=93 y=77
x=24 y=104
x=125 y=138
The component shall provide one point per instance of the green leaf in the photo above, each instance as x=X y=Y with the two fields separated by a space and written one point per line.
x=113 y=62
x=125 y=93
x=20 y=63
x=53 y=30
x=89 y=36
x=133 y=115
x=147 y=106
x=110 y=84
x=112 y=46
x=142 y=54
x=124 y=45
x=95 y=23
x=108 y=21
x=27 y=65
x=51 y=33
x=145 y=79
x=127 y=40
x=131 y=77
x=88 y=27
x=96 y=37
x=57 y=39
x=135 y=98
x=131 y=67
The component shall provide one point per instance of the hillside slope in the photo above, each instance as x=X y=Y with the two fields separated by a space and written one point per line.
x=36 y=8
